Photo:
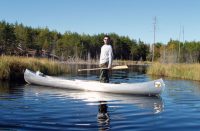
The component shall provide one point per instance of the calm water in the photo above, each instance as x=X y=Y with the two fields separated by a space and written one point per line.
x=28 y=107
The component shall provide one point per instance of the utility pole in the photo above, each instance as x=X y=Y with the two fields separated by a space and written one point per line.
x=179 y=48
x=183 y=34
x=179 y=45
x=183 y=39
x=154 y=37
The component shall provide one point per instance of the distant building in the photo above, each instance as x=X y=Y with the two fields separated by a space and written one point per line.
x=31 y=53
x=47 y=54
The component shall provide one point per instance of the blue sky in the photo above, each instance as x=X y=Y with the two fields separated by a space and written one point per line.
x=132 y=18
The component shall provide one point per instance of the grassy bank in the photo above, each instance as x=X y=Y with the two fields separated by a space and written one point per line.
x=12 y=67
x=183 y=71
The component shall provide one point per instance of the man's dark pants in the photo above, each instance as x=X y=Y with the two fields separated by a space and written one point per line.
x=104 y=73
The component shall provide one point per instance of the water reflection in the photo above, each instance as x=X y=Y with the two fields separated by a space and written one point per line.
x=10 y=89
x=103 y=117
x=155 y=103
x=4 y=88
x=109 y=106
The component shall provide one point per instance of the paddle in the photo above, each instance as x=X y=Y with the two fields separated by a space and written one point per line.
x=113 y=68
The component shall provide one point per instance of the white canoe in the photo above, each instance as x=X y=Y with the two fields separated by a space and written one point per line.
x=154 y=87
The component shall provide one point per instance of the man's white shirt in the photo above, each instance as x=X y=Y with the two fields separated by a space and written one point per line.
x=106 y=55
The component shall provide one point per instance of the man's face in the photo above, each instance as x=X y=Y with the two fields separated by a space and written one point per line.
x=106 y=40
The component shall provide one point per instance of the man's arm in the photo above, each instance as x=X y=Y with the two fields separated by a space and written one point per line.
x=110 y=58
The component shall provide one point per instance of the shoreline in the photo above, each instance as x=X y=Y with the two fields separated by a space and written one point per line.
x=115 y=62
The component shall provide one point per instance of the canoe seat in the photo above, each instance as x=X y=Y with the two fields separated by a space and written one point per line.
x=39 y=73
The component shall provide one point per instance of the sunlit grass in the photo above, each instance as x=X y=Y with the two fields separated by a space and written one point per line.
x=183 y=71
x=13 y=66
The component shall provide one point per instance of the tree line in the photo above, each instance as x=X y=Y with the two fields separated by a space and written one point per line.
x=72 y=45
x=180 y=52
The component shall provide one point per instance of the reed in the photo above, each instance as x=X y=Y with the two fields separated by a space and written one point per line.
x=183 y=71
x=13 y=67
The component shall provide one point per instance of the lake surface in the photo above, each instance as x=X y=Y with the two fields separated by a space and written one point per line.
x=30 y=107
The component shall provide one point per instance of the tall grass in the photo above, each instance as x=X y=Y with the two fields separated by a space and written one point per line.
x=13 y=67
x=183 y=71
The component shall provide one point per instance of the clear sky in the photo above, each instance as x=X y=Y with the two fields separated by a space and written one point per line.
x=132 y=18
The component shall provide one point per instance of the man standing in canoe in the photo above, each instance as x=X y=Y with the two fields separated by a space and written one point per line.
x=106 y=57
